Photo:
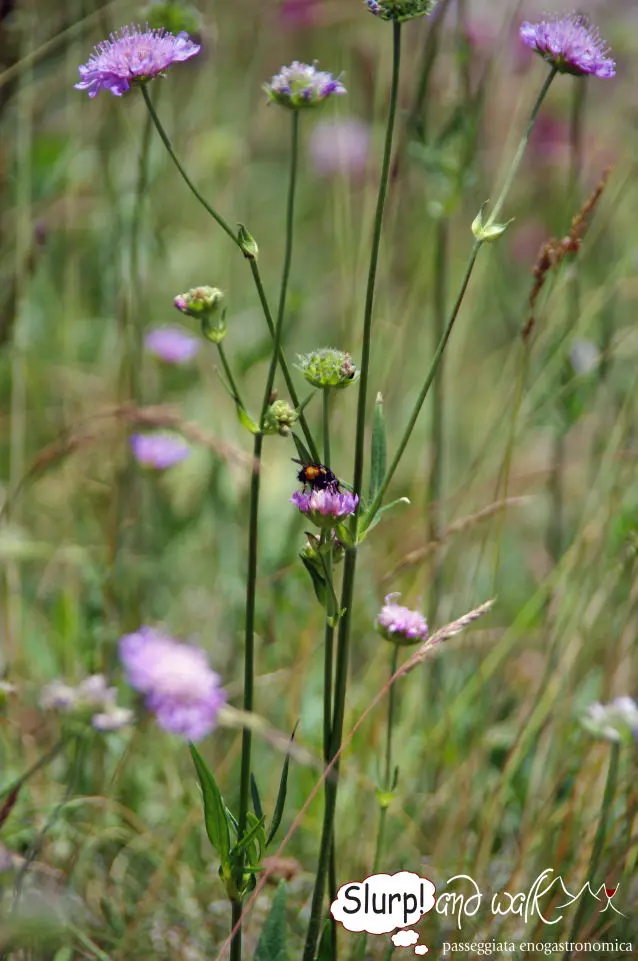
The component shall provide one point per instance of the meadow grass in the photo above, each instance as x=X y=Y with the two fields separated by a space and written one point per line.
x=535 y=498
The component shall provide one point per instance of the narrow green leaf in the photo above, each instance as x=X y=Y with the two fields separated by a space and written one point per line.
x=304 y=454
x=272 y=943
x=214 y=809
x=325 y=945
x=369 y=525
x=379 y=448
x=281 y=795
x=345 y=536
x=318 y=582
x=246 y=420
x=254 y=826
x=254 y=790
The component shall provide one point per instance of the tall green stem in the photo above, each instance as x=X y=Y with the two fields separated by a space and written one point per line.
x=347 y=591
x=232 y=384
x=518 y=156
x=435 y=484
x=253 y=527
x=478 y=243
x=359 y=448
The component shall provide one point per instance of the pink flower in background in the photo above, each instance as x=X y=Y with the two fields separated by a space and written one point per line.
x=299 y=13
x=326 y=507
x=342 y=144
x=176 y=681
x=172 y=345
x=159 y=450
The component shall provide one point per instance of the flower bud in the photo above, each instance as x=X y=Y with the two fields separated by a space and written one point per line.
x=279 y=418
x=205 y=303
x=400 y=9
x=247 y=243
x=328 y=367
x=400 y=624
x=489 y=231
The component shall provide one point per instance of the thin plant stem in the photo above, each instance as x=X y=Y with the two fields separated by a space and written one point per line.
x=253 y=530
x=388 y=781
x=343 y=640
x=189 y=183
x=374 y=259
x=294 y=397
x=518 y=156
x=253 y=267
x=435 y=485
x=385 y=789
x=478 y=243
x=556 y=524
x=403 y=443
x=234 y=389
x=600 y=838
x=329 y=632
x=418 y=114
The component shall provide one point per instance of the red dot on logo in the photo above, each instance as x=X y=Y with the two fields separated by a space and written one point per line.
x=610 y=892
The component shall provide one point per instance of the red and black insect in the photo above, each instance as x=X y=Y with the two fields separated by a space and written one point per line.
x=316 y=476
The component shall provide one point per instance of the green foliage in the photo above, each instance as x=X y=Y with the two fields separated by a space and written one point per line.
x=272 y=942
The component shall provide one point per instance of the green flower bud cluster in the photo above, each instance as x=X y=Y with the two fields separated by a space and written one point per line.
x=328 y=367
x=207 y=304
x=279 y=418
x=400 y=9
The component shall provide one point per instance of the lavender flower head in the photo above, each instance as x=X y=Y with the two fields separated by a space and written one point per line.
x=176 y=681
x=159 y=450
x=400 y=9
x=91 y=698
x=302 y=85
x=327 y=507
x=130 y=56
x=172 y=345
x=400 y=624
x=570 y=44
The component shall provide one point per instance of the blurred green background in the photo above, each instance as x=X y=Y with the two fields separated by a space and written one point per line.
x=497 y=779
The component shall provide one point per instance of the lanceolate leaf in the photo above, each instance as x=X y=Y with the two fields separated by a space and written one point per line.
x=304 y=454
x=318 y=582
x=281 y=796
x=272 y=943
x=379 y=448
x=246 y=420
x=214 y=808
x=254 y=790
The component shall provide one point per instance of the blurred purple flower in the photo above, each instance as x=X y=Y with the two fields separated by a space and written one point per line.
x=338 y=145
x=132 y=55
x=570 y=44
x=302 y=85
x=176 y=681
x=326 y=507
x=158 y=450
x=400 y=624
x=299 y=13
x=172 y=345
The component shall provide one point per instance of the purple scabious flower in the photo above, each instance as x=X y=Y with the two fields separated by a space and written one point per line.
x=570 y=44
x=400 y=624
x=302 y=85
x=176 y=681
x=172 y=345
x=130 y=56
x=158 y=450
x=326 y=507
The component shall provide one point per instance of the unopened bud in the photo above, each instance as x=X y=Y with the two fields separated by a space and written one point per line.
x=247 y=243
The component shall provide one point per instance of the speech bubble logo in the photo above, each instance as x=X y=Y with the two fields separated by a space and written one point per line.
x=383 y=902
x=421 y=949
x=404 y=939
